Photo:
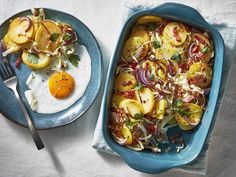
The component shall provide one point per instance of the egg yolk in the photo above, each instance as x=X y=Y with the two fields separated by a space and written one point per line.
x=61 y=84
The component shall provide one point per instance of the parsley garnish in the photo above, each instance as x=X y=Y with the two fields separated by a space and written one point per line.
x=156 y=43
x=175 y=57
x=66 y=36
x=32 y=58
x=74 y=59
x=152 y=77
x=151 y=26
x=138 y=116
x=205 y=49
x=138 y=86
x=178 y=103
x=54 y=37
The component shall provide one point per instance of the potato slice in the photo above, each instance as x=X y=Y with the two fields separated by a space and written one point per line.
x=193 y=114
x=148 y=19
x=133 y=107
x=44 y=34
x=175 y=33
x=35 y=61
x=18 y=32
x=134 y=48
x=116 y=99
x=10 y=44
x=36 y=25
x=140 y=31
x=166 y=51
x=200 y=74
x=126 y=133
x=204 y=45
x=147 y=99
x=160 y=106
x=125 y=81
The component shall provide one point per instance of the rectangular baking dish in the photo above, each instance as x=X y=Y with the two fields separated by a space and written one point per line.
x=147 y=161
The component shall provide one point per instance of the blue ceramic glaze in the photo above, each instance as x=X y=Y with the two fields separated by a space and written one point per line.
x=8 y=104
x=146 y=161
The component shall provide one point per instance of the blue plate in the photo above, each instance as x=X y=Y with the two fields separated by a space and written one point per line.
x=146 y=161
x=8 y=104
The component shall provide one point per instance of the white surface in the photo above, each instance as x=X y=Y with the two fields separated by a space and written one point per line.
x=68 y=149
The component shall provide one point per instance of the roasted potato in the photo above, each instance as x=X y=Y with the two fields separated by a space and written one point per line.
x=148 y=19
x=200 y=74
x=190 y=111
x=125 y=81
x=134 y=47
x=133 y=107
x=35 y=61
x=20 y=31
x=147 y=99
x=175 y=33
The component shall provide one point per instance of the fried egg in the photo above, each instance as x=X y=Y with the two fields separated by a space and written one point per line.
x=62 y=87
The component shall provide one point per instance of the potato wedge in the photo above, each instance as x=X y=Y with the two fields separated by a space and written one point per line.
x=125 y=81
x=126 y=133
x=36 y=25
x=200 y=74
x=148 y=19
x=140 y=31
x=192 y=112
x=10 y=44
x=116 y=99
x=134 y=48
x=133 y=107
x=18 y=32
x=175 y=33
x=35 y=61
x=160 y=106
x=147 y=99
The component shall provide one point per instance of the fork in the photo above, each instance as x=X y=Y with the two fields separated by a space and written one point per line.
x=8 y=75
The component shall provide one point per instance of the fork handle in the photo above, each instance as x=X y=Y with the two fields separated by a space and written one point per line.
x=30 y=123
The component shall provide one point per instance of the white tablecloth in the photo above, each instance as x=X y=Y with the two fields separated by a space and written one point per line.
x=68 y=149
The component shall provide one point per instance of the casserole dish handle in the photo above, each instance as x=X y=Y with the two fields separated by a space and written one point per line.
x=178 y=12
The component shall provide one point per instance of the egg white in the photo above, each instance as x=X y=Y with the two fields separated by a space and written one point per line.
x=39 y=96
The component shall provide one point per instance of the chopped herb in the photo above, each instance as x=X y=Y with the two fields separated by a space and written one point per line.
x=138 y=86
x=129 y=124
x=184 y=113
x=54 y=37
x=156 y=43
x=138 y=116
x=74 y=59
x=66 y=36
x=175 y=57
x=151 y=26
x=152 y=77
x=32 y=58
x=178 y=103
x=205 y=49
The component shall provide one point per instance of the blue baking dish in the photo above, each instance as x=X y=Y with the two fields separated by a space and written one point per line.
x=147 y=161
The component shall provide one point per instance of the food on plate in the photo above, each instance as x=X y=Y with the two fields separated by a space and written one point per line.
x=60 y=67
x=162 y=81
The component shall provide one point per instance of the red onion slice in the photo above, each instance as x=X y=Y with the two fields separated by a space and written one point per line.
x=190 y=49
x=72 y=38
x=143 y=77
x=28 y=20
x=190 y=122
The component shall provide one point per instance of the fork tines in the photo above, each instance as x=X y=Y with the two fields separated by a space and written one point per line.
x=6 y=71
